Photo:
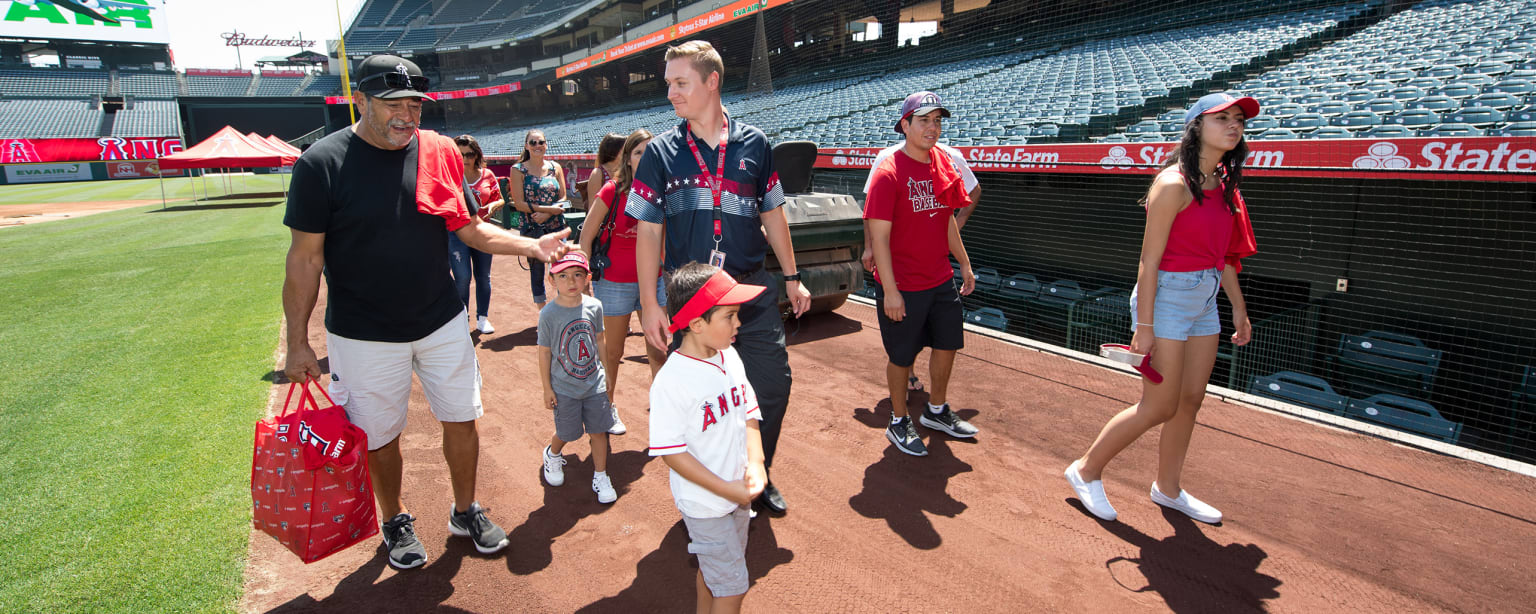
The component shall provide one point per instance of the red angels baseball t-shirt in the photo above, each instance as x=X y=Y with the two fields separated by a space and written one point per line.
x=901 y=192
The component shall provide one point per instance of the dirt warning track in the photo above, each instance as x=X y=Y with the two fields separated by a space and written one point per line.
x=1317 y=519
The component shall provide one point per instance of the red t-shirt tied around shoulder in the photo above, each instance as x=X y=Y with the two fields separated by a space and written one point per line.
x=440 y=179
x=621 y=240
x=486 y=190
x=1205 y=235
x=919 y=200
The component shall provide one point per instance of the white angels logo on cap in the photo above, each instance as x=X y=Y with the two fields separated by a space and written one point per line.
x=929 y=99
x=400 y=68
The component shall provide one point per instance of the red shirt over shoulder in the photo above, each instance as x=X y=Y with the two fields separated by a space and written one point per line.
x=901 y=191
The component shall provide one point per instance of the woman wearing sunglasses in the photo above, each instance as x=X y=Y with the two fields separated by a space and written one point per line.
x=468 y=262
x=541 y=200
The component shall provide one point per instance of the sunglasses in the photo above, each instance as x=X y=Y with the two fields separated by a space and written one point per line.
x=467 y=154
x=398 y=81
x=536 y=142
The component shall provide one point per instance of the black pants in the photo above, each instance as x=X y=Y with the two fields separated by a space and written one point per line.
x=760 y=343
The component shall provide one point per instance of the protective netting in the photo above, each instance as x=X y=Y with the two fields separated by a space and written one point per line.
x=1390 y=185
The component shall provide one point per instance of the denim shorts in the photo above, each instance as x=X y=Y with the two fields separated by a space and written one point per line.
x=621 y=298
x=1185 y=304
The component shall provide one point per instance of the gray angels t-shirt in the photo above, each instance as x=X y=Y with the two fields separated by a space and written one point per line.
x=571 y=334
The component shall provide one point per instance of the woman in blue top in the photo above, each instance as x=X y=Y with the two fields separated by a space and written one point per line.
x=541 y=200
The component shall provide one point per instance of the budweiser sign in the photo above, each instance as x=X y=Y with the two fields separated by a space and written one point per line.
x=236 y=39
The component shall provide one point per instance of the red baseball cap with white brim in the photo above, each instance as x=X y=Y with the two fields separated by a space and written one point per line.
x=721 y=289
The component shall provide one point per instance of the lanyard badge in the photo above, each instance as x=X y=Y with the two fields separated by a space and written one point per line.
x=716 y=185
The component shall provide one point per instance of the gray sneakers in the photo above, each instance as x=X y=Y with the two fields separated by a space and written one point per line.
x=405 y=551
x=904 y=435
x=947 y=422
x=474 y=524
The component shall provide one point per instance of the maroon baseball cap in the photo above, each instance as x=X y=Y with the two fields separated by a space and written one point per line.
x=921 y=103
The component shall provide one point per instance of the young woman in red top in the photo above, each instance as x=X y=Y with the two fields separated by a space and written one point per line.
x=1197 y=229
x=467 y=261
x=618 y=289
x=607 y=168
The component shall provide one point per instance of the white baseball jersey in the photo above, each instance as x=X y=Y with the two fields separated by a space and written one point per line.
x=702 y=407
x=954 y=154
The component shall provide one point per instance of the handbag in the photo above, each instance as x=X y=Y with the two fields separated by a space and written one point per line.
x=310 y=487
x=600 y=261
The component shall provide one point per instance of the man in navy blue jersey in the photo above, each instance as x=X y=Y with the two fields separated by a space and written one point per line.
x=709 y=186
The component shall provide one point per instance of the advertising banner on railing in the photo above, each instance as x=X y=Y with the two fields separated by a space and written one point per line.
x=505 y=88
x=1485 y=158
x=686 y=29
x=107 y=148
x=44 y=173
x=132 y=169
x=120 y=21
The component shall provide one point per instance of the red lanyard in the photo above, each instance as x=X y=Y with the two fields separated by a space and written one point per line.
x=719 y=179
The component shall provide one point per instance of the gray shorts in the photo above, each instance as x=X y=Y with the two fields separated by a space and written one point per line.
x=573 y=413
x=721 y=544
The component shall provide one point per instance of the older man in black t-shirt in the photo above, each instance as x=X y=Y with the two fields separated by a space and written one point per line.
x=392 y=309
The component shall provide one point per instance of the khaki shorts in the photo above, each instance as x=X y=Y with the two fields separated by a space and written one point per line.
x=371 y=380
x=721 y=544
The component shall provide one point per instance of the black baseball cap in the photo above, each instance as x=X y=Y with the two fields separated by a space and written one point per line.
x=391 y=76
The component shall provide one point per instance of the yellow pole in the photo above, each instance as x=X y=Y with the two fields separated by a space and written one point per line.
x=341 y=50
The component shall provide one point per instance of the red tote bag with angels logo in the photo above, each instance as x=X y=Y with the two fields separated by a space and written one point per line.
x=309 y=477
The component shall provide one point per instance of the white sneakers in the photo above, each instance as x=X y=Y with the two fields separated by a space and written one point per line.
x=554 y=468
x=1090 y=494
x=604 y=489
x=618 y=424
x=1192 y=507
x=483 y=324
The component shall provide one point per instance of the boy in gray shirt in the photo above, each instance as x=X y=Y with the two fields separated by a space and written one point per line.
x=575 y=386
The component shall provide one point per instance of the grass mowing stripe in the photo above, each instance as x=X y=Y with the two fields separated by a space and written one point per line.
x=137 y=343
x=176 y=188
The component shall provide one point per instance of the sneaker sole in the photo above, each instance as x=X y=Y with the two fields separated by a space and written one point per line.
x=618 y=431
x=396 y=565
x=600 y=499
x=941 y=427
x=898 y=445
x=554 y=484
x=454 y=529
x=1171 y=506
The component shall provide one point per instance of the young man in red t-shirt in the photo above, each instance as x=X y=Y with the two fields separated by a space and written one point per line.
x=911 y=199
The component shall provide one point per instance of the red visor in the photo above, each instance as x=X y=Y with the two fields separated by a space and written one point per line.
x=721 y=289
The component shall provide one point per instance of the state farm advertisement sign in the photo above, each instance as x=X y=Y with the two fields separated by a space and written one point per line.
x=1486 y=158
x=505 y=88
x=104 y=149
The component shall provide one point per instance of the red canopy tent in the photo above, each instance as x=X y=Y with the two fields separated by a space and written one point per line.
x=227 y=148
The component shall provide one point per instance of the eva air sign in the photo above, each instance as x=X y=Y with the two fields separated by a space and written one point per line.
x=127 y=21
x=44 y=173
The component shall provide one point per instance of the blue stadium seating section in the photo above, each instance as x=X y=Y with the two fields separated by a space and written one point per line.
x=49 y=82
x=424 y=24
x=42 y=119
x=278 y=86
x=148 y=84
x=148 y=118
x=199 y=85
x=1443 y=67
x=323 y=85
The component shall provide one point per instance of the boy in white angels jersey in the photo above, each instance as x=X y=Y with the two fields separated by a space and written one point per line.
x=704 y=424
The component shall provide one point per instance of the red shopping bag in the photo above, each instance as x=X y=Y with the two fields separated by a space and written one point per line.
x=309 y=478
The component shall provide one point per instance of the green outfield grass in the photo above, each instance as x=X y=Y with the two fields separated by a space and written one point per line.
x=176 y=189
x=136 y=344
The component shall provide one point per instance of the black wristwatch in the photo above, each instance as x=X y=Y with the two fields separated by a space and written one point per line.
x=795 y=277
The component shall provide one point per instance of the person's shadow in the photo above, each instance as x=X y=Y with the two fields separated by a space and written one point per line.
x=664 y=579
x=904 y=489
x=527 y=336
x=414 y=590
x=531 y=542
x=1189 y=570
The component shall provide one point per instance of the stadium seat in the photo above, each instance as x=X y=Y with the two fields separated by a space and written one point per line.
x=1502 y=101
x=1358 y=95
x=1512 y=86
x=1526 y=128
x=987 y=278
x=1379 y=361
x=1261 y=123
x=1301 y=389
x=989 y=317
x=1435 y=103
x=1304 y=122
x=1276 y=133
x=1329 y=132
x=1445 y=130
x=1357 y=120
x=1020 y=286
x=1405 y=414
x=1388 y=132
x=1286 y=110
x=1404 y=92
x=1332 y=109
x=1480 y=117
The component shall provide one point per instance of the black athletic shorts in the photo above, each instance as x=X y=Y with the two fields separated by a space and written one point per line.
x=935 y=318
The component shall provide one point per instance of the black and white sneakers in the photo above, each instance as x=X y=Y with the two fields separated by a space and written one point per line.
x=946 y=421
x=904 y=435
x=474 y=524
x=405 y=551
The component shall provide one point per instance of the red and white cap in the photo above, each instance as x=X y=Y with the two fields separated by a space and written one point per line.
x=721 y=289
x=570 y=259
